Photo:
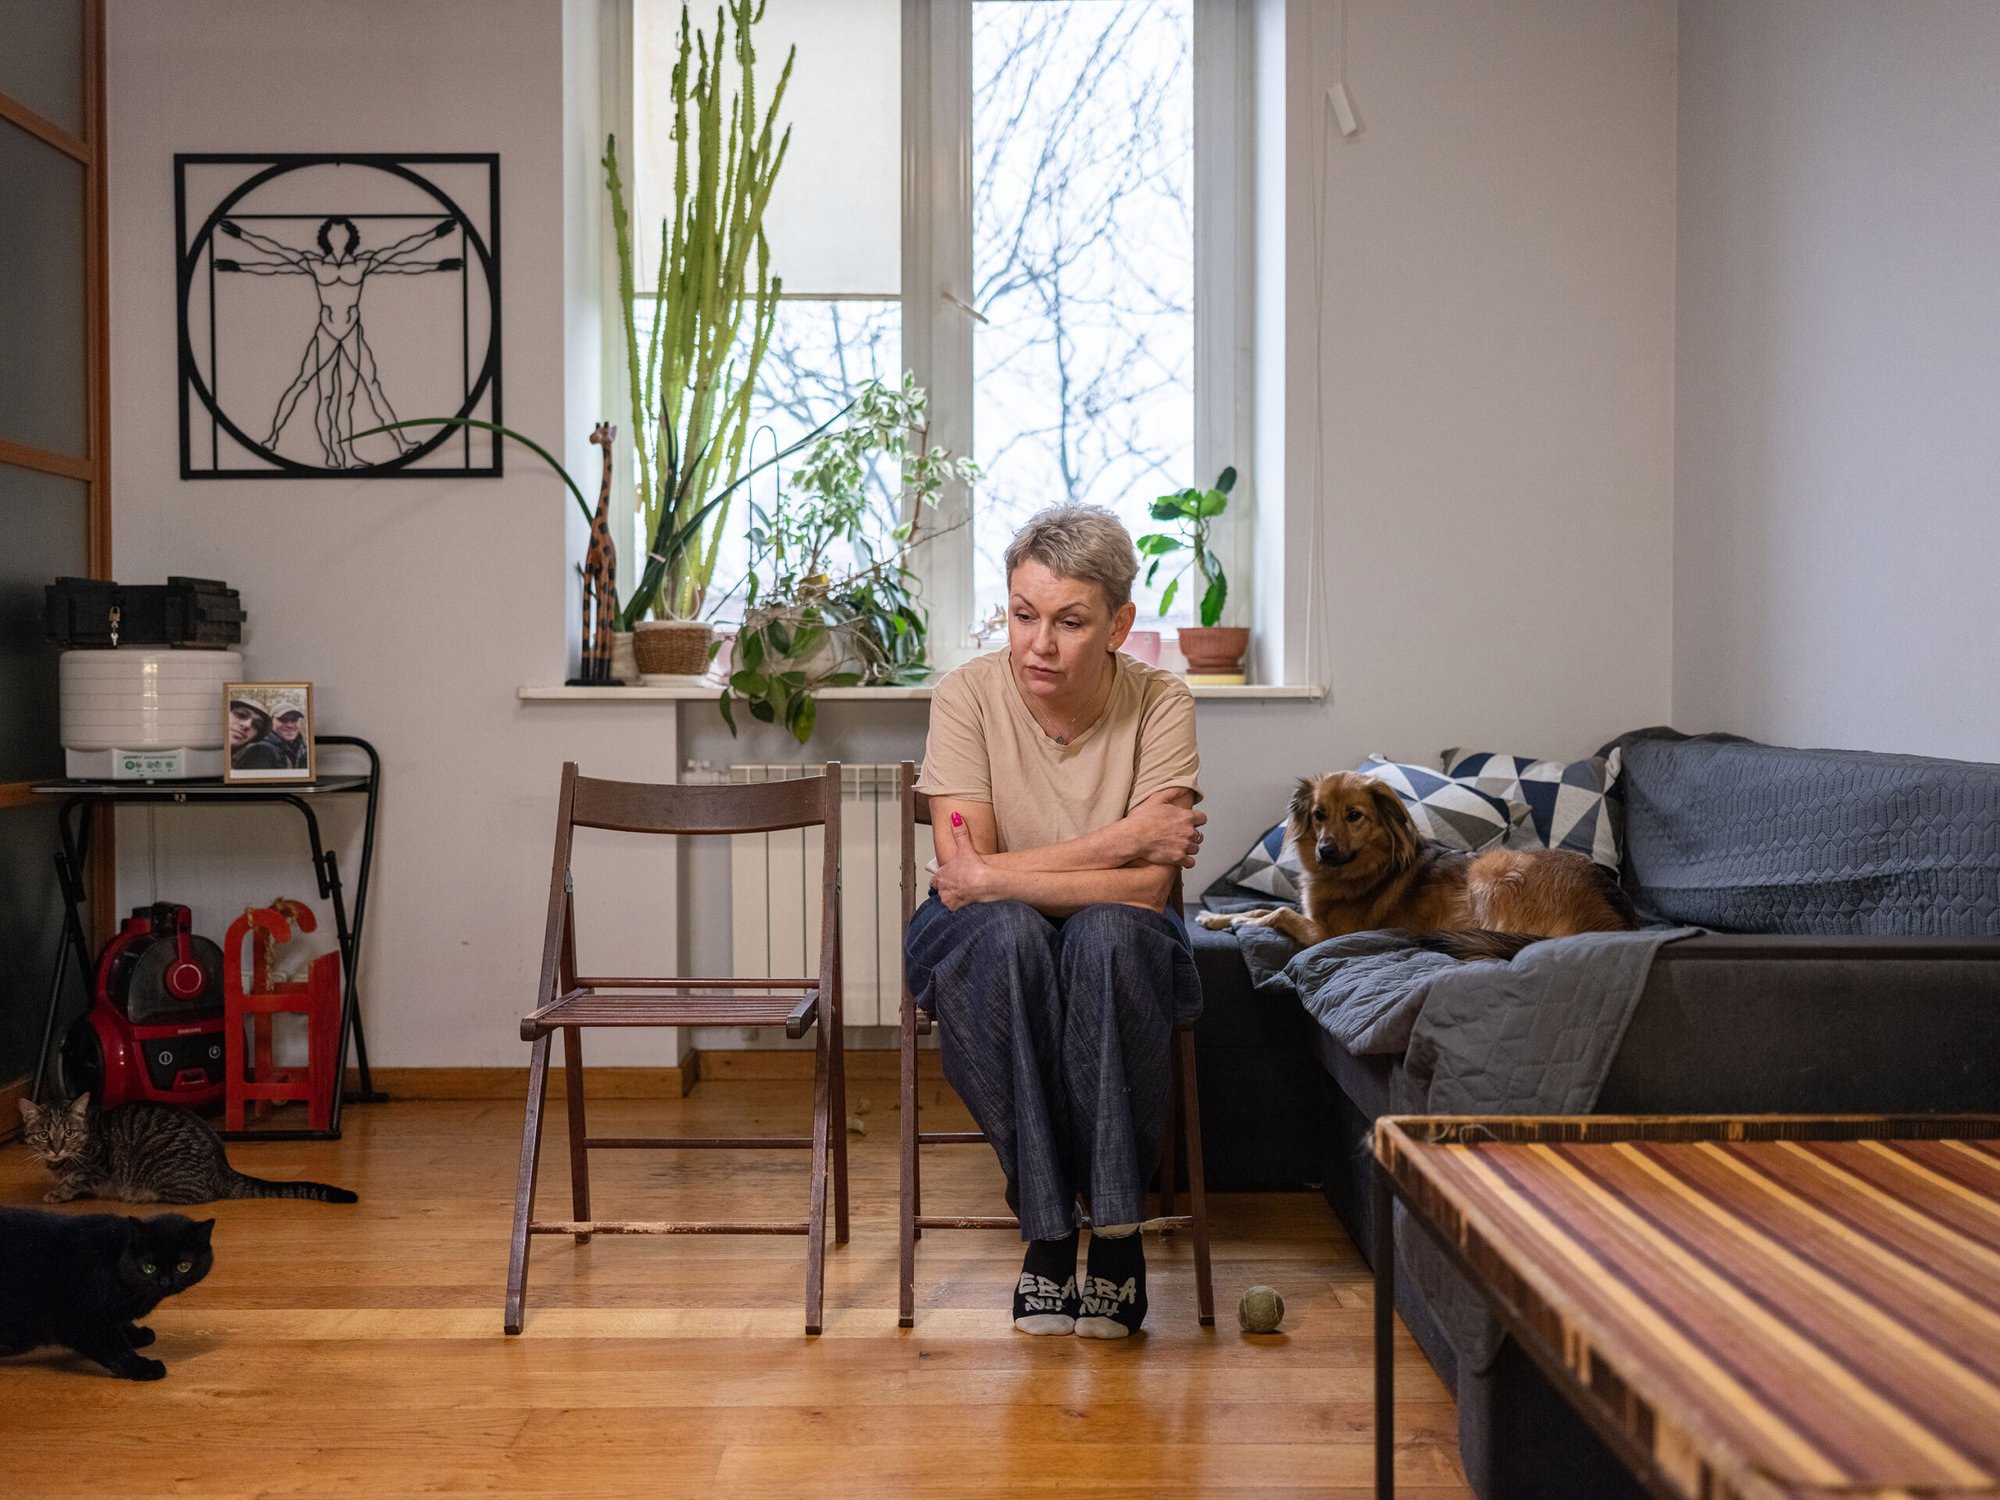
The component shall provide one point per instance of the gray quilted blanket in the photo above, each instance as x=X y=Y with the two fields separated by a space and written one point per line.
x=1532 y=1036
x=1743 y=837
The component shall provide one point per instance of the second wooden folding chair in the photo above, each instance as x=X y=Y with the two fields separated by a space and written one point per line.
x=571 y=1003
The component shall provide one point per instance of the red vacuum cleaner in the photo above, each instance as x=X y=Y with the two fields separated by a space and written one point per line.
x=154 y=1027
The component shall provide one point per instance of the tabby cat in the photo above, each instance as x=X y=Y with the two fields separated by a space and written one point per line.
x=144 y=1153
x=84 y=1280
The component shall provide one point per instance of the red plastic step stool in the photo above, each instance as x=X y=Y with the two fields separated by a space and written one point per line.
x=316 y=997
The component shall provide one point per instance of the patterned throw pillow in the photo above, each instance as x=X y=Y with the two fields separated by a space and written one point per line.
x=1453 y=813
x=1555 y=804
x=1271 y=868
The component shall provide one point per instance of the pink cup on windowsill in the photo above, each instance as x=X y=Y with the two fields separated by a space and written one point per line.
x=1144 y=645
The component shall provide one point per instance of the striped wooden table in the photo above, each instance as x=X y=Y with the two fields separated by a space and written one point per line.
x=1753 y=1308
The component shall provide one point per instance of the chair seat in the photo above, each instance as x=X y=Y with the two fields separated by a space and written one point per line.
x=794 y=1011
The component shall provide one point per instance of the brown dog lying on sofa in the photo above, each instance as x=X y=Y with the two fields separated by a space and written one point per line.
x=1366 y=867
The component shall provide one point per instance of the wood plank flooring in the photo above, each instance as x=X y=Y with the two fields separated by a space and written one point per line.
x=357 y=1350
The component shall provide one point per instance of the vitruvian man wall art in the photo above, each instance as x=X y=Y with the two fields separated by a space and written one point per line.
x=325 y=296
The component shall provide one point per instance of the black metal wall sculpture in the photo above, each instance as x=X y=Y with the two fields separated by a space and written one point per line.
x=323 y=296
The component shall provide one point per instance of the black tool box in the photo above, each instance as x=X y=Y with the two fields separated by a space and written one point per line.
x=181 y=612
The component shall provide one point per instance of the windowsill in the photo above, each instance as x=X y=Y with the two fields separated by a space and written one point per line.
x=696 y=693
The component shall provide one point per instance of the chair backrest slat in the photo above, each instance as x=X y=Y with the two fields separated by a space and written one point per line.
x=757 y=807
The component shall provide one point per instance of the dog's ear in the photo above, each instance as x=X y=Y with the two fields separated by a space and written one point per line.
x=1303 y=797
x=1388 y=804
x=1396 y=821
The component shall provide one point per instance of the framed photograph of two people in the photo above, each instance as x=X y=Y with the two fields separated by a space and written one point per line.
x=268 y=728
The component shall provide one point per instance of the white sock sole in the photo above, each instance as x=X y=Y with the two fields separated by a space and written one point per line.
x=1100 y=1328
x=1046 y=1323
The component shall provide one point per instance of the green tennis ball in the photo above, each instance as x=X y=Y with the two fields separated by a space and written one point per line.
x=1261 y=1310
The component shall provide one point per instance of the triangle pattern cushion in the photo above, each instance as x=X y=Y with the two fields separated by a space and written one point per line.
x=1269 y=868
x=1553 y=804
x=1447 y=811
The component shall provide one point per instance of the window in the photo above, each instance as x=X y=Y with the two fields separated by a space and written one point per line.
x=1082 y=264
x=1032 y=204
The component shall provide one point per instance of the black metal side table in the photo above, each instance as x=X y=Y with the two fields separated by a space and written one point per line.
x=80 y=799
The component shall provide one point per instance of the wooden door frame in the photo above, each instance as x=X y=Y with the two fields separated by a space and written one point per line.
x=94 y=470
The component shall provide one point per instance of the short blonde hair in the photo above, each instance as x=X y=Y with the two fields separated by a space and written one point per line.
x=1084 y=542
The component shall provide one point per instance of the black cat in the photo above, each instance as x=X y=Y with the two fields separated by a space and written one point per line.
x=84 y=1280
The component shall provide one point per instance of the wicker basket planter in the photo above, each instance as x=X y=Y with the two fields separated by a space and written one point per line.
x=677 y=648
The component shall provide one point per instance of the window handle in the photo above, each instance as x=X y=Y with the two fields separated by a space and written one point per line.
x=965 y=307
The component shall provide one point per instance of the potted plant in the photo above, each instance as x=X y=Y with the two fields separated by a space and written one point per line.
x=1211 y=647
x=809 y=624
x=691 y=376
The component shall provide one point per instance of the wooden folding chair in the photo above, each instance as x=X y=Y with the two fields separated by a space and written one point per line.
x=913 y=1221
x=569 y=1003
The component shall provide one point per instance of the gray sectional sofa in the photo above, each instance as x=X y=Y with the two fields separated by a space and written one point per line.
x=1849 y=962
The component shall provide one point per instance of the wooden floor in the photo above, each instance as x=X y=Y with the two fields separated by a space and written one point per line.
x=358 y=1351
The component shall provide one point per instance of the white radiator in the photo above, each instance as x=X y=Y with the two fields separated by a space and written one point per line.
x=774 y=883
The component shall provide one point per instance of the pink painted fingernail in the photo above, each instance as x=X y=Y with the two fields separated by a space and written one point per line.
x=957 y=821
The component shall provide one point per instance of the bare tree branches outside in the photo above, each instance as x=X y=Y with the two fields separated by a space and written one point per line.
x=1083 y=256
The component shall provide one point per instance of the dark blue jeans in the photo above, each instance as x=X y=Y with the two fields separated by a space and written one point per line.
x=1057 y=1035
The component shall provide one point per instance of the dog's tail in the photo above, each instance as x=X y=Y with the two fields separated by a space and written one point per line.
x=1615 y=894
x=1475 y=942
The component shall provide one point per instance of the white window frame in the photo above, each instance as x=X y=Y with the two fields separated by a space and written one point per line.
x=938 y=320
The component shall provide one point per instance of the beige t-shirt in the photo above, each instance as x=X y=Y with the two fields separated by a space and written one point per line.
x=984 y=746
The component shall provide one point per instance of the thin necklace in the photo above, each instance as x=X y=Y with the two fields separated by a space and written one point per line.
x=1070 y=725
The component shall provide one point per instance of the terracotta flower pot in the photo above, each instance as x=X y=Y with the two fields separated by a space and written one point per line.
x=1214 y=648
x=677 y=648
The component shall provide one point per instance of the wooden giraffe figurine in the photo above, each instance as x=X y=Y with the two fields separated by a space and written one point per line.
x=600 y=572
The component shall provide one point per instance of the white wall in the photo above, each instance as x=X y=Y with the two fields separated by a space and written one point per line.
x=1838 y=447
x=416 y=609
x=1495 y=437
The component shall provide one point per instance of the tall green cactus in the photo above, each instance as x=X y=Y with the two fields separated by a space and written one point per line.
x=690 y=403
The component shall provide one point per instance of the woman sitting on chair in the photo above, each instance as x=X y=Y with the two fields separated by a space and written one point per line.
x=1063 y=780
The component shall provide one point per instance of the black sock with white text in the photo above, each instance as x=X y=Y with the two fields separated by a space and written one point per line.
x=1045 y=1296
x=1111 y=1301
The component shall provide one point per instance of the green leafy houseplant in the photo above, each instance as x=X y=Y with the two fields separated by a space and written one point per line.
x=804 y=628
x=1192 y=510
x=689 y=393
